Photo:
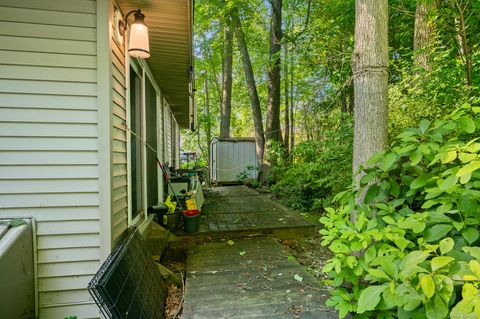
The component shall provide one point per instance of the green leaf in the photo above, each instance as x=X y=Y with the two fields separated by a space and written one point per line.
x=428 y=286
x=442 y=261
x=469 y=168
x=370 y=254
x=436 y=308
x=298 y=278
x=415 y=157
x=371 y=194
x=414 y=258
x=448 y=183
x=367 y=178
x=466 y=157
x=470 y=234
x=437 y=232
x=369 y=298
x=424 y=125
x=467 y=124
x=377 y=275
x=421 y=181
x=389 y=160
x=449 y=156
x=446 y=245
x=473 y=251
x=375 y=158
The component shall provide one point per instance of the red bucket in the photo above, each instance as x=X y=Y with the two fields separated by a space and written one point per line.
x=191 y=212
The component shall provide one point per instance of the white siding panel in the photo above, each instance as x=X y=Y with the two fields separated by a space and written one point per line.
x=47 y=87
x=48 y=17
x=85 y=6
x=47 y=172
x=85 y=311
x=47 y=45
x=48 y=200
x=64 y=283
x=64 y=297
x=48 y=73
x=68 y=227
x=48 y=101
x=26 y=186
x=67 y=255
x=119 y=137
x=48 y=116
x=47 y=31
x=49 y=143
x=66 y=241
x=61 y=213
x=48 y=158
x=48 y=59
x=48 y=129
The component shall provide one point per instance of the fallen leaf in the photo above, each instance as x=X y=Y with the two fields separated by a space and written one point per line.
x=298 y=278
x=242 y=253
x=231 y=242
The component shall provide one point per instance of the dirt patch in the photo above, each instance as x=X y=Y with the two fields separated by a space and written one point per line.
x=309 y=254
x=175 y=259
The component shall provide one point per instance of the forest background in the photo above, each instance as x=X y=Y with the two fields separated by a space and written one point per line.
x=388 y=90
x=433 y=67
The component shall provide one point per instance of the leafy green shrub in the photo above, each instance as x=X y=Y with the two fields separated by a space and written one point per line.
x=410 y=251
x=320 y=169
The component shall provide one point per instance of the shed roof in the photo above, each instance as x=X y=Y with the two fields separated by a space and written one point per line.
x=234 y=139
x=170 y=25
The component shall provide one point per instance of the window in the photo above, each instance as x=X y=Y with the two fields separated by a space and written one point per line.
x=136 y=152
x=151 y=139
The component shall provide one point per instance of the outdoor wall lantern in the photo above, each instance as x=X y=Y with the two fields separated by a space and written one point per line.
x=138 y=45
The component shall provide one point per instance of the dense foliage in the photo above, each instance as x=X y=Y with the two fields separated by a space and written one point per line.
x=320 y=168
x=411 y=250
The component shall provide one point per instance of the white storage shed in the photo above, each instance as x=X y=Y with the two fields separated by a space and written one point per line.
x=231 y=158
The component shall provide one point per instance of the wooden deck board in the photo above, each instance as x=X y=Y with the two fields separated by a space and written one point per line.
x=253 y=278
x=238 y=209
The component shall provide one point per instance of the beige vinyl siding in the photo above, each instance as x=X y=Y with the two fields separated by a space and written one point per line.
x=177 y=143
x=119 y=139
x=168 y=133
x=49 y=143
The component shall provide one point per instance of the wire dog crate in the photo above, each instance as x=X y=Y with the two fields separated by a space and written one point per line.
x=128 y=284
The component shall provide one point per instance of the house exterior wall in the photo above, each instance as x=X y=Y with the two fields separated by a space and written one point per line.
x=49 y=129
x=119 y=134
x=63 y=140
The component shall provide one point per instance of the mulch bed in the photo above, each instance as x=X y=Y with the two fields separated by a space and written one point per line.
x=310 y=254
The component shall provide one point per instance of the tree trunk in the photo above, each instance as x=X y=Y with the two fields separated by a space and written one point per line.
x=209 y=54
x=292 y=106
x=423 y=35
x=370 y=78
x=226 y=106
x=208 y=124
x=286 y=84
x=251 y=86
x=464 y=48
x=273 y=131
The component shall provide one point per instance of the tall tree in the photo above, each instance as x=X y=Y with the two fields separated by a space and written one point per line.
x=226 y=107
x=251 y=86
x=273 y=130
x=286 y=86
x=370 y=78
x=423 y=34
x=464 y=47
